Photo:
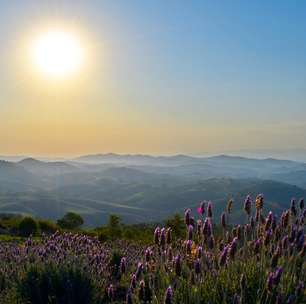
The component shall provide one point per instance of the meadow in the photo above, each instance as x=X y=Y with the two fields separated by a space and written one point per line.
x=204 y=260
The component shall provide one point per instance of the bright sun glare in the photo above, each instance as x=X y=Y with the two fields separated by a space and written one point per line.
x=57 y=53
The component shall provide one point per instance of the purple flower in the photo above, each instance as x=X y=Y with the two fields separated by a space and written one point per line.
x=233 y=248
x=129 y=299
x=123 y=265
x=133 y=281
x=290 y=299
x=199 y=252
x=277 y=275
x=163 y=237
x=206 y=227
x=197 y=266
x=270 y=282
x=110 y=292
x=187 y=217
x=169 y=296
x=139 y=270
x=188 y=245
x=209 y=209
x=223 y=256
x=148 y=255
x=156 y=235
x=201 y=209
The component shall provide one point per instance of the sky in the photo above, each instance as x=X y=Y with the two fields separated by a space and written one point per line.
x=159 y=77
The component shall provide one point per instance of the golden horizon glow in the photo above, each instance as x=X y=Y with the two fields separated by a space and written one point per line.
x=57 y=53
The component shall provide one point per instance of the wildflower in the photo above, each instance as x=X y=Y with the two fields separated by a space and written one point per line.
x=148 y=255
x=163 y=237
x=259 y=202
x=300 y=241
x=110 y=292
x=257 y=246
x=197 y=266
x=169 y=295
x=277 y=275
x=268 y=221
x=141 y=292
x=268 y=237
x=139 y=270
x=290 y=299
x=223 y=256
x=199 y=252
x=188 y=245
x=205 y=227
x=248 y=205
x=209 y=209
x=133 y=281
x=223 y=222
x=156 y=235
x=270 y=282
x=285 y=219
x=233 y=248
x=123 y=265
x=190 y=232
x=129 y=299
x=187 y=217
x=201 y=209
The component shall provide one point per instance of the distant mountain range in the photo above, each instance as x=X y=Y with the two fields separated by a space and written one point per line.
x=142 y=187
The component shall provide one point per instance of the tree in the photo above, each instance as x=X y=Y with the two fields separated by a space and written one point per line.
x=176 y=223
x=70 y=220
x=114 y=227
x=28 y=226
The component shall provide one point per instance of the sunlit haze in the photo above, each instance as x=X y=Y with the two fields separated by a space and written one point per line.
x=56 y=53
x=151 y=77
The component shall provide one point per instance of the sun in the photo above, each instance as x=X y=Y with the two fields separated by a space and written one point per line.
x=57 y=53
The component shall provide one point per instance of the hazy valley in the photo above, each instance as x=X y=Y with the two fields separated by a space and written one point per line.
x=142 y=188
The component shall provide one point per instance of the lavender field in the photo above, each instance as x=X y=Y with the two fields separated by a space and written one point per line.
x=262 y=261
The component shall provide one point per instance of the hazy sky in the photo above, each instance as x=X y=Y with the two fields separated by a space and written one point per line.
x=159 y=77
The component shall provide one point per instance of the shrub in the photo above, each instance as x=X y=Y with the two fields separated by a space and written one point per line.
x=103 y=236
x=71 y=220
x=50 y=284
x=28 y=226
x=47 y=227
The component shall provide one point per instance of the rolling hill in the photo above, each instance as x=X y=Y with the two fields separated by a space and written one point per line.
x=144 y=188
